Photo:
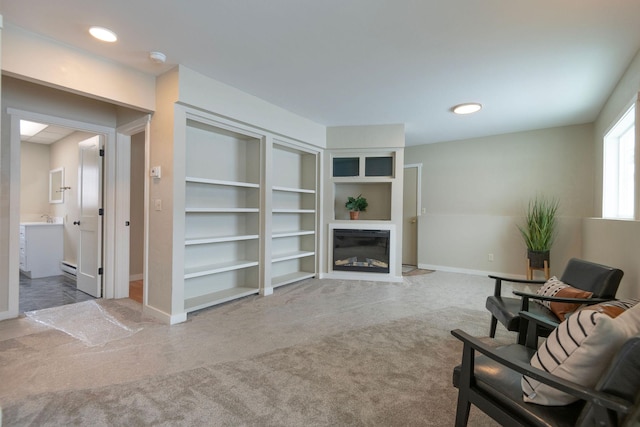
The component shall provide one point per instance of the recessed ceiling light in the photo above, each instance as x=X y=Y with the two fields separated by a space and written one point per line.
x=28 y=128
x=104 y=34
x=468 y=108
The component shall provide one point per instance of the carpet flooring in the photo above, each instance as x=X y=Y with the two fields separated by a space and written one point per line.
x=394 y=374
x=320 y=353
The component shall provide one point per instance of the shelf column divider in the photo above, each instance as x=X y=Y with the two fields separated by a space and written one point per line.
x=266 y=221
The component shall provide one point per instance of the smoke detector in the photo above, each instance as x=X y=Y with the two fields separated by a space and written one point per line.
x=157 y=57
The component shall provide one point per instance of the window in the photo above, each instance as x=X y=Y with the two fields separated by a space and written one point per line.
x=618 y=191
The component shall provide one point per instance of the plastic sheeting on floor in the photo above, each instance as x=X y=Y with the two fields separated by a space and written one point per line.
x=86 y=321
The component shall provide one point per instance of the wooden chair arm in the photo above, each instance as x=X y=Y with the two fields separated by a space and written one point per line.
x=498 y=284
x=514 y=280
x=598 y=398
x=588 y=301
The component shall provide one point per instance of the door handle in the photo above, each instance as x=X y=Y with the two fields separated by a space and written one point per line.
x=413 y=221
x=76 y=222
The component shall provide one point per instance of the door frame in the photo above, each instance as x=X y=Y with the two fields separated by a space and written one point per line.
x=123 y=191
x=109 y=199
x=418 y=167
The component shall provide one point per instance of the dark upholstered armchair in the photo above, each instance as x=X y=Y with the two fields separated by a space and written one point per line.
x=490 y=379
x=603 y=281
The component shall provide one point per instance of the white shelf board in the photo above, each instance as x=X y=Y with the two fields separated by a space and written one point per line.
x=290 y=278
x=361 y=179
x=221 y=182
x=302 y=211
x=293 y=233
x=221 y=210
x=190 y=273
x=204 y=240
x=291 y=255
x=219 y=297
x=293 y=190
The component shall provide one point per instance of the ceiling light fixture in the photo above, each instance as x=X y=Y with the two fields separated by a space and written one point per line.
x=104 y=34
x=467 y=108
x=28 y=128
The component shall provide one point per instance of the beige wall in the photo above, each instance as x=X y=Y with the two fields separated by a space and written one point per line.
x=376 y=136
x=476 y=191
x=616 y=242
x=34 y=181
x=43 y=60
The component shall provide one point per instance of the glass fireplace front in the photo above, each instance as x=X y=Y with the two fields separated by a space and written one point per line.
x=361 y=250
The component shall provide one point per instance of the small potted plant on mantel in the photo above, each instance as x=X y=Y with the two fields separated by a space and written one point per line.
x=539 y=231
x=356 y=205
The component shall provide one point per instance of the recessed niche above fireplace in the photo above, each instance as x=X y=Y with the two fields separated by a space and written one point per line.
x=361 y=250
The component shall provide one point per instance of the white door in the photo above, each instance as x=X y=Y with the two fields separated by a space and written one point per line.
x=90 y=221
x=410 y=217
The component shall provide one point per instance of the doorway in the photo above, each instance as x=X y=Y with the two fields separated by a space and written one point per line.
x=60 y=226
x=411 y=211
x=137 y=217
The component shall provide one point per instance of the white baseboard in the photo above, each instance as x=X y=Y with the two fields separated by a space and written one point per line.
x=374 y=277
x=4 y=315
x=135 y=277
x=467 y=271
x=164 y=317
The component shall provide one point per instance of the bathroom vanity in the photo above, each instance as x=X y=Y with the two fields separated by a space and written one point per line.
x=41 y=249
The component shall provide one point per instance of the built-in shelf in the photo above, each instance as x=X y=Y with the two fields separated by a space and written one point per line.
x=217 y=268
x=301 y=211
x=293 y=215
x=224 y=218
x=222 y=214
x=294 y=233
x=294 y=190
x=292 y=255
x=221 y=182
x=221 y=210
x=205 y=240
x=291 y=278
x=219 y=297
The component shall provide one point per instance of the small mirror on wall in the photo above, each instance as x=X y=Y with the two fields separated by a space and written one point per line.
x=56 y=185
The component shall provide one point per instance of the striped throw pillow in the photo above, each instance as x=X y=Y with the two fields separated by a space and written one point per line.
x=578 y=350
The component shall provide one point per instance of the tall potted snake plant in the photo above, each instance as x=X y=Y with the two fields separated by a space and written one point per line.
x=539 y=230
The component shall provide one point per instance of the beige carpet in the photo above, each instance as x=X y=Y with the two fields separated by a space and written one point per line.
x=394 y=374
x=315 y=353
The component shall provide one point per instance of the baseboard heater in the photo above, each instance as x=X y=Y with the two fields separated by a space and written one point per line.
x=68 y=269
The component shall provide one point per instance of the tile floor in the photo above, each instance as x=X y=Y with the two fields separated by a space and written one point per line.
x=47 y=292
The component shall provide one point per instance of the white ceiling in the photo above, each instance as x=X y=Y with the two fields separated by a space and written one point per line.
x=532 y=64
x=49 y=135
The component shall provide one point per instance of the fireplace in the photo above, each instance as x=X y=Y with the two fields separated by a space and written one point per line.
x=361 y=250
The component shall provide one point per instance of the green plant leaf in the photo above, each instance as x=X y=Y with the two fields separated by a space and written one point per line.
x=539 y=230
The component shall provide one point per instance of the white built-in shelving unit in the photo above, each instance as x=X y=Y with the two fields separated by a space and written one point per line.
x=250 y=212
x=222 y=215
x=294 y=220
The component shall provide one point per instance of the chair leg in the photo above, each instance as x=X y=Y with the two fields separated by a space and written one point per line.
x=462 y=411
x=492 y=329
